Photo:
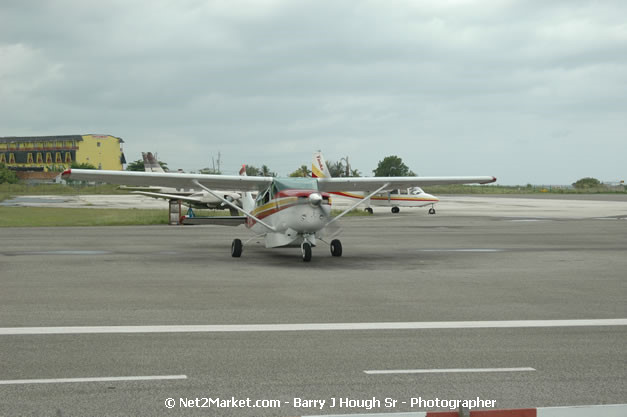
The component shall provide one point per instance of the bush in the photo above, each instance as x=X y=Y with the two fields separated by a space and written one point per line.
x=6 y=175
x=587 y=182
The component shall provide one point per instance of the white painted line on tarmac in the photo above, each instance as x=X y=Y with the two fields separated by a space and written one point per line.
x=309 y=327
x=95 y=379
x=461 y=250
x=445 y=371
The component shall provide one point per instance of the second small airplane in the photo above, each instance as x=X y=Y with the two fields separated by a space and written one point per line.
x=407 y=197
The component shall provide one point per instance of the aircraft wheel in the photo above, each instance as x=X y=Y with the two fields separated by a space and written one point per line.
x=306 y=249
x=431 y=210
x=369 y=210
x=395 y=209
x=336 y=247
x=236 y=248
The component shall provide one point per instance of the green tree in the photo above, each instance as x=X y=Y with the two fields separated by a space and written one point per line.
x=303 y=171
x=6 y=175
x=139 y=165
x=392 y=166
x=82 y=165
x=252 y=171
x=135 y=165
x=264 y=171
x=587 y=182
x=338 y=169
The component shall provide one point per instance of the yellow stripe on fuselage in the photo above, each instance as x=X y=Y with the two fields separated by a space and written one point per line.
x=274 y=206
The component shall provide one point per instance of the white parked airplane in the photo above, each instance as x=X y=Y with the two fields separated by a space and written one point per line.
x=405 y=197
x=195 y=198
x=288 y=212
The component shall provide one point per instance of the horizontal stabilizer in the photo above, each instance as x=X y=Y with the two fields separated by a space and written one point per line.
x=217 y=220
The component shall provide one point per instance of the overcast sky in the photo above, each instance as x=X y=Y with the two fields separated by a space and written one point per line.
x=528 y=91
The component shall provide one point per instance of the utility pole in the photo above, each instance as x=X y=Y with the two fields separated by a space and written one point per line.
x=348 y=166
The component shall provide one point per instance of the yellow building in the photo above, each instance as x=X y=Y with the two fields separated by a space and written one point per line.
x=55 y=153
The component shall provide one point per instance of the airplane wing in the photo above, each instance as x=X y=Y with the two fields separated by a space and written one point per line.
x=372 y=183
x=174 y=180
x=171 y=196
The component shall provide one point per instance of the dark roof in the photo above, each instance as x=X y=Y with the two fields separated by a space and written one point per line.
x=46 y=138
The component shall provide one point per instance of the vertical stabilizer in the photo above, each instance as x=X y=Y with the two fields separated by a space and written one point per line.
x=146 y=162
x=248 y=203
x=319 y=167
x=155 y=166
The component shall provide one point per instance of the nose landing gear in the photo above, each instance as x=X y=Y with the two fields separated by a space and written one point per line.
x=431 y=210
x=306 y=250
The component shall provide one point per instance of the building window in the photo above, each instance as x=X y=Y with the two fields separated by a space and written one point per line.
x=29 y=158
x=68 y=158
x=58 y=159
x=48 y=158
x=11 y=158
x=40 y=158
x=3 y=158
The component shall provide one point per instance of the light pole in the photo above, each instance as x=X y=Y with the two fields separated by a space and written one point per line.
x=348 y=167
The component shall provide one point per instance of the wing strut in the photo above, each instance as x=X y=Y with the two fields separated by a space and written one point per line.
x=358 y=203
x=230 y=204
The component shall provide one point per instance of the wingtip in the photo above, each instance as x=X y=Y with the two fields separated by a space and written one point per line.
x=66 y=173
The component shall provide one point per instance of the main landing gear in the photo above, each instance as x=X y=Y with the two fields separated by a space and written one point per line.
x=236 y=248
x=305 y=247
x=431 y=210
x=369 y=210
x=395 y=209
x=336 y=247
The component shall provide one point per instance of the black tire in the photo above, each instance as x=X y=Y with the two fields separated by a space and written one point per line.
x=431 y=210
x=306 y=249
x=395 y=210
x=336 y=247
x=369 y=210
x=236 y=248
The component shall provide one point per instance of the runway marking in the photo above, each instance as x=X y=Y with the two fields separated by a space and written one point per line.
x=444 y=371
x=461 y=250
x=309 y=327
x=64 y=252
x=95 y=379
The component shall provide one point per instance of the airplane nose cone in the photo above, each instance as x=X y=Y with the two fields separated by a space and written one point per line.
x=315 y=199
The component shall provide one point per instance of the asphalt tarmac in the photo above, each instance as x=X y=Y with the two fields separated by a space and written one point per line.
x=492 y=266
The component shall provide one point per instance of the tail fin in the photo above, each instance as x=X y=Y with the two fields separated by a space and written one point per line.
x=319 y=167
x=248 y=202
x=146 y=162
x=155 y=166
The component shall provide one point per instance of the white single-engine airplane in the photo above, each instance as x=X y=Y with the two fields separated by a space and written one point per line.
x=191 y=197
x=407 y=197
x=288 y=212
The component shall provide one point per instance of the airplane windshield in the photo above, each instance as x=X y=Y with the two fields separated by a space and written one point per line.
x=295 y=184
